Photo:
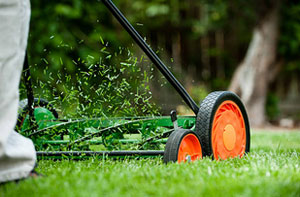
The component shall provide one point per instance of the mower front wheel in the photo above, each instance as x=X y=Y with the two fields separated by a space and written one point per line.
x=183 y=145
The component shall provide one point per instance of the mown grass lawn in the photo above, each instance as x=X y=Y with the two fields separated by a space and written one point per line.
x=271 y=169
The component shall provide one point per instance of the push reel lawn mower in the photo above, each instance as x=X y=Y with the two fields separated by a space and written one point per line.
x=219 y=130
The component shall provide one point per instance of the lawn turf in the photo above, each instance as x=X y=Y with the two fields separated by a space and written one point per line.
x=272 y=168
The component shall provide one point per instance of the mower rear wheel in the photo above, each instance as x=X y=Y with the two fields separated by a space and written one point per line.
x=222 y=125
x=183 y=145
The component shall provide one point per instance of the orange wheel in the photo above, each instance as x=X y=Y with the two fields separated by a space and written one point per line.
x=223 y=126
x=183 y=145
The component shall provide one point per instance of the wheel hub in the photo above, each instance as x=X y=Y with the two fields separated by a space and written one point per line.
x=229 y=137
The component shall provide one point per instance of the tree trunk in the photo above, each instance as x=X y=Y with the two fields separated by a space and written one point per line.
x=258 y=69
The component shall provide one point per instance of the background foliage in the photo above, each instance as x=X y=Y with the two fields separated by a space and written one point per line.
x=202 y=42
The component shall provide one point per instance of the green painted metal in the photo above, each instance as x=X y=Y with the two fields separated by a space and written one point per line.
x=42 y=116
x=101 y=134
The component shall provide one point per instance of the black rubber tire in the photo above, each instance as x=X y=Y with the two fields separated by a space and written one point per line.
x=24 y=108
x=206 y=114
x=173 y=143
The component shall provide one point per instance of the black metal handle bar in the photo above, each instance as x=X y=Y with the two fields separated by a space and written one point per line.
x=30 y=95
x=152 y=56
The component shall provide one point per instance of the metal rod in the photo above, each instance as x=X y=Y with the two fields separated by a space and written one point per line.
x=30 y=96
x=152 y=56
x=101 y=153
x=98 y=142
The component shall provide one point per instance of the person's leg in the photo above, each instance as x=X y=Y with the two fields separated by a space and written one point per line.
x=17 y=153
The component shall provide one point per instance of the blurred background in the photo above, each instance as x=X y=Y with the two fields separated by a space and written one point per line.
x=85 y=63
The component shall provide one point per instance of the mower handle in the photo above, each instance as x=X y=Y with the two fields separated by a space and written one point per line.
x=152 y=56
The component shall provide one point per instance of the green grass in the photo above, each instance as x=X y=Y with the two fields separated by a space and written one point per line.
x=271 y=169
